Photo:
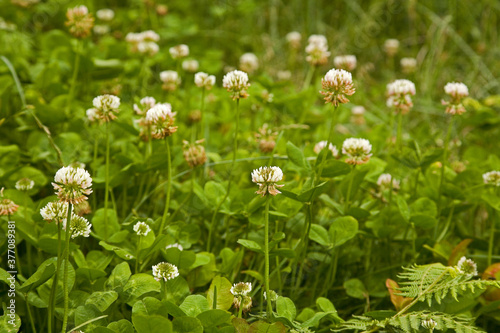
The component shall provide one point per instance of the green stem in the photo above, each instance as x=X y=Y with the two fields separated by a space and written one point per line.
x=233 y=162
x=309 y=76
x=66 y=267
x=30 y=316
x=137 y=255
x=443 y=167
x=326 y=150
x=240 y=309
x=349 y=189
x=492 y=238
x=266 y=254
x=278 y=268
x=399 y=137
x=52 y=299
x=169 y=186
x=106 y=186
x=447 y=226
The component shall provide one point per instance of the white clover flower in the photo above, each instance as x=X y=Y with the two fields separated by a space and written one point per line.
x=72 y=184
x=492 y=178
x=273 y=295
x=429 y=324
x=92 y=114
x=241 y=288
x=190 y=65
x=105 y=14
x=79 y=226
x=391 y=47
x=357 y=150
x=79 y=21
x=25 y=184
x=179 y=51
x=236 y=82
x=161 y=119
x=145 y=104
x=266 y=178
x=358 y=110
x=408 y=65
x=7 y=206
x=317 y=50
x=165 y=271
x=141 y=229
x=149 y=36
x=203 y=80
x=249 y=62
x=55 y=211
x=170 y=79
x=284 y=75
x=347 y=62
x=194 y=153
x=467 y=267
x=384 y=181
x=322 y=144
x=336 y=84
x=399 y=95
x=148 y=48
x=175 y=245
x=457 y=91
x=294 y=38
x=101 y=29
x=106 y=106
x=134 y=37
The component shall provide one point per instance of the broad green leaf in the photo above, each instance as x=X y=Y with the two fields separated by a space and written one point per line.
x=138 y=285
x=215 y=192
x=187 y=325
x=181 y=259
x=119 y=277
x=122 y=253
x=296 y=155
x=355 y=288
x=193 y=305
x=121 y=326
x=151 y=323
x=173 y=309
x=423 y=206
x=311 y=194
x=150 y=306
x=325 y=305
x=44 y=272
x=105 y=230
x=334 y=168
x=343 y=229
x=286 y=308
x=423 y=221
x=215 y=317
x=10 y=322
x=203 y=274
x=403 y=208
x=250 y=244
x=224 y=296
x=319 y=235
x=102 y=299
x=263 y=327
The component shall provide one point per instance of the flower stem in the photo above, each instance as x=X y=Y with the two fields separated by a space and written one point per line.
x=137 y=255
x=399 y=137
x=106 y=186
x=443 y=166
x=349 y=189
x=30 y=316
x=66 y=267
x=326 y=150
x=492 y=238
x=233 y=162
x=169 y=186
x=240 y=309
x=52 y=299
x=266 y=254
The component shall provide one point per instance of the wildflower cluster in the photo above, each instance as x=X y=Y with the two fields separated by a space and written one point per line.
x=194 y=153
x=72 y=184
x=144 y=42
x=399 y=95
x=240 y=292
x=171 y=80
x=266 y=178
x=457 y=91
x=161 y=120
x=337 y=84
x=317 y=50
x=105 y=108
x=165 y=271
x=236 y=82
x=79 y=21
x=347 y=62
x=357 y=150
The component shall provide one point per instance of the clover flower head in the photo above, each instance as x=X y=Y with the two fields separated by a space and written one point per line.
x=106 y=107
x=399 y=95
x=322 y=144
x=7 y=206
x=161 y=120
x=249 y=62
x=79 y=226
x=79 y=21
x=101 y=29
x=190 y=65
x=145 y=104
x=148 y=48
x=391 y=47
x=408 y=65
x=457 y=91
x=358 y=110
x=150 y=36
x=141 y=229
x=55 y=211
x=194 y=153
x=336 y=84
x=245 y=302
x=492 y=178
x=241 y=288
x=236 y=82
x=143 y=42
x=273 y=296
x=175 y=245
x=105 y=14
x=72 y=184
x=92 y=114
x=25 y=184
x=83 y=208
x=284 y=75
x=294 y=38
x=384 y=181
x=347 y=62
x=266 y=138
x=179 y=51
x=357 y=150
x=165 y=271
x=267 y=177
x=171 y=80
x=317 y=50
x=203 y=80
x=429 y=324
x=467 y=267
